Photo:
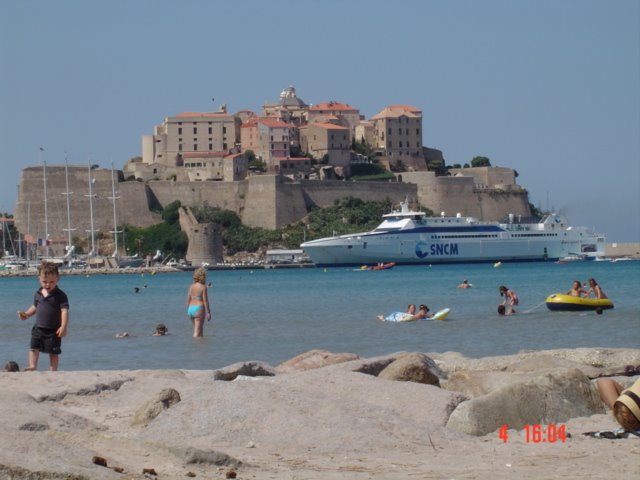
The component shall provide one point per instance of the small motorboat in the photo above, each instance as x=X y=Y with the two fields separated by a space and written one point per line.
x=379 y=266
x=562 y=301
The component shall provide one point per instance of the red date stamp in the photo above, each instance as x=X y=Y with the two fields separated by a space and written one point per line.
x=537 y=433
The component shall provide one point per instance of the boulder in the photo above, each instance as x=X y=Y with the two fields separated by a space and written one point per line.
x=475 y=383
x=155 y=406
x=412 y=367
x=544 y=399
x=314 y=359
x=192 y=455
x=245 y=369
x=544 y=363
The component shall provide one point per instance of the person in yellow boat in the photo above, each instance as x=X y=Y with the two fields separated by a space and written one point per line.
x=595 y=289
x=577 y=290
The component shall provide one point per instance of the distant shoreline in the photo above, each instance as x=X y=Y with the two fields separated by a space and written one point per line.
x=153 y=270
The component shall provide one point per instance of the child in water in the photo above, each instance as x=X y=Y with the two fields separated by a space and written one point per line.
x=51 y=308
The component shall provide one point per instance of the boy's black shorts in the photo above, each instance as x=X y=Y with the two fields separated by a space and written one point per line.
x=45 y=340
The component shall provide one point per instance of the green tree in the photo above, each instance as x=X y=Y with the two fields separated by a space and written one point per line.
x=480 y=162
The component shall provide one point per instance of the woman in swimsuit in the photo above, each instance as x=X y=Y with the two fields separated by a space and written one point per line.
x=510 y=299
x=198 y=301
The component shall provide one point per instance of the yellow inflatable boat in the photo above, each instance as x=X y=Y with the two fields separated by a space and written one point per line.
x=562 y=301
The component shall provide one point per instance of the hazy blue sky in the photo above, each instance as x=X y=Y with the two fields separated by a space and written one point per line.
x=550 y=88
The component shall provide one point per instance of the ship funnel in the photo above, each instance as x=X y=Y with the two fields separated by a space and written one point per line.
x=511 y=218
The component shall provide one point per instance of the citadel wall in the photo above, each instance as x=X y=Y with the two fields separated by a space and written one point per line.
x=267 y=201
x=131 y=203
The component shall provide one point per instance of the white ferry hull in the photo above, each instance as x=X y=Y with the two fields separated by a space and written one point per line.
x=462 y=243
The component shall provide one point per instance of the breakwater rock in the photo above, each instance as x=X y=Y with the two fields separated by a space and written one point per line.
x=333 y=416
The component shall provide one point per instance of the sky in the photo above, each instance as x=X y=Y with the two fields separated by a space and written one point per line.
x=550 y=88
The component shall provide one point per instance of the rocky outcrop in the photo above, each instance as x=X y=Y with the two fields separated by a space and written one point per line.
x=412 y=367
x=155 y=406
x=543 y=399
x=245 y=369
x=314 y=359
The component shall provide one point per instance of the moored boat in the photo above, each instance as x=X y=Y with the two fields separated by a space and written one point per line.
x=378 y=266
x=562 y=301
x=407 y=237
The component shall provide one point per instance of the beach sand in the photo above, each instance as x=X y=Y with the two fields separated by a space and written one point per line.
x=322 y=423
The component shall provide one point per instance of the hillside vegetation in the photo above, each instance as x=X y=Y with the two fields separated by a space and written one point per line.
x=348 y=215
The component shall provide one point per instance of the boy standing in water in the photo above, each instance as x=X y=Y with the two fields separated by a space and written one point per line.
x=51 y=308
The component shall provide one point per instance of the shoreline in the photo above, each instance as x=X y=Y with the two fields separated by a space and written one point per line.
x=152 y=270
x=320 y=415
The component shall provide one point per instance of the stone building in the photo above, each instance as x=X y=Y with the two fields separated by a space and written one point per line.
x=190 y=132
x=345 y=114
x=320 y=139
x=289 y=108
x=398 y=134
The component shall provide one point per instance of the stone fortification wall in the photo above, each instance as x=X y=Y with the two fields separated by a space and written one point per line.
x=266 y=201
x=30 y=206
x=205 y=239
x=461 y=194
x=225 y=195
x=324 y=193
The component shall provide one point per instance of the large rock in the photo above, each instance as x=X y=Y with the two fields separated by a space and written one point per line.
x=245 y=369
x=412 y=367
x=548 y=398
x=475 y=383
x=155 y=406
x=314 y=359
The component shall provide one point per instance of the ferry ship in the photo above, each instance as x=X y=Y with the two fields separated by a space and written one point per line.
x=409 y=237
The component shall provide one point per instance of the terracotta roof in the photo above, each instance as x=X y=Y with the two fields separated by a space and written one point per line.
x=405 y=108
x=329 y=126
x=273 y=122
x=333 y=106
x=394 y=113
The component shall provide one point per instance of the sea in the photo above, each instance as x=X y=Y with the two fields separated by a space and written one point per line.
x=272 y=315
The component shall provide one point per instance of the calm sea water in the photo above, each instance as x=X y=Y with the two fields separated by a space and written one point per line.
x=273 y=315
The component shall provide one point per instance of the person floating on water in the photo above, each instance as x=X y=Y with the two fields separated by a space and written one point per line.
x=398 y=316
x=409 y=316
x=502 y=310
x=465 y=284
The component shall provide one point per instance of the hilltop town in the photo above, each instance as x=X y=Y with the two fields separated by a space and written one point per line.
x=270 y=169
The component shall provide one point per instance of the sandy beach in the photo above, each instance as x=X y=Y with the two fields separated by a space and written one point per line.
x=318 y=416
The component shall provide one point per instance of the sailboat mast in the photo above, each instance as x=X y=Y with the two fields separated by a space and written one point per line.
x=46 y=214
x=115 y=220
x=93 y=241
x=28 y=230
x=67 y=193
